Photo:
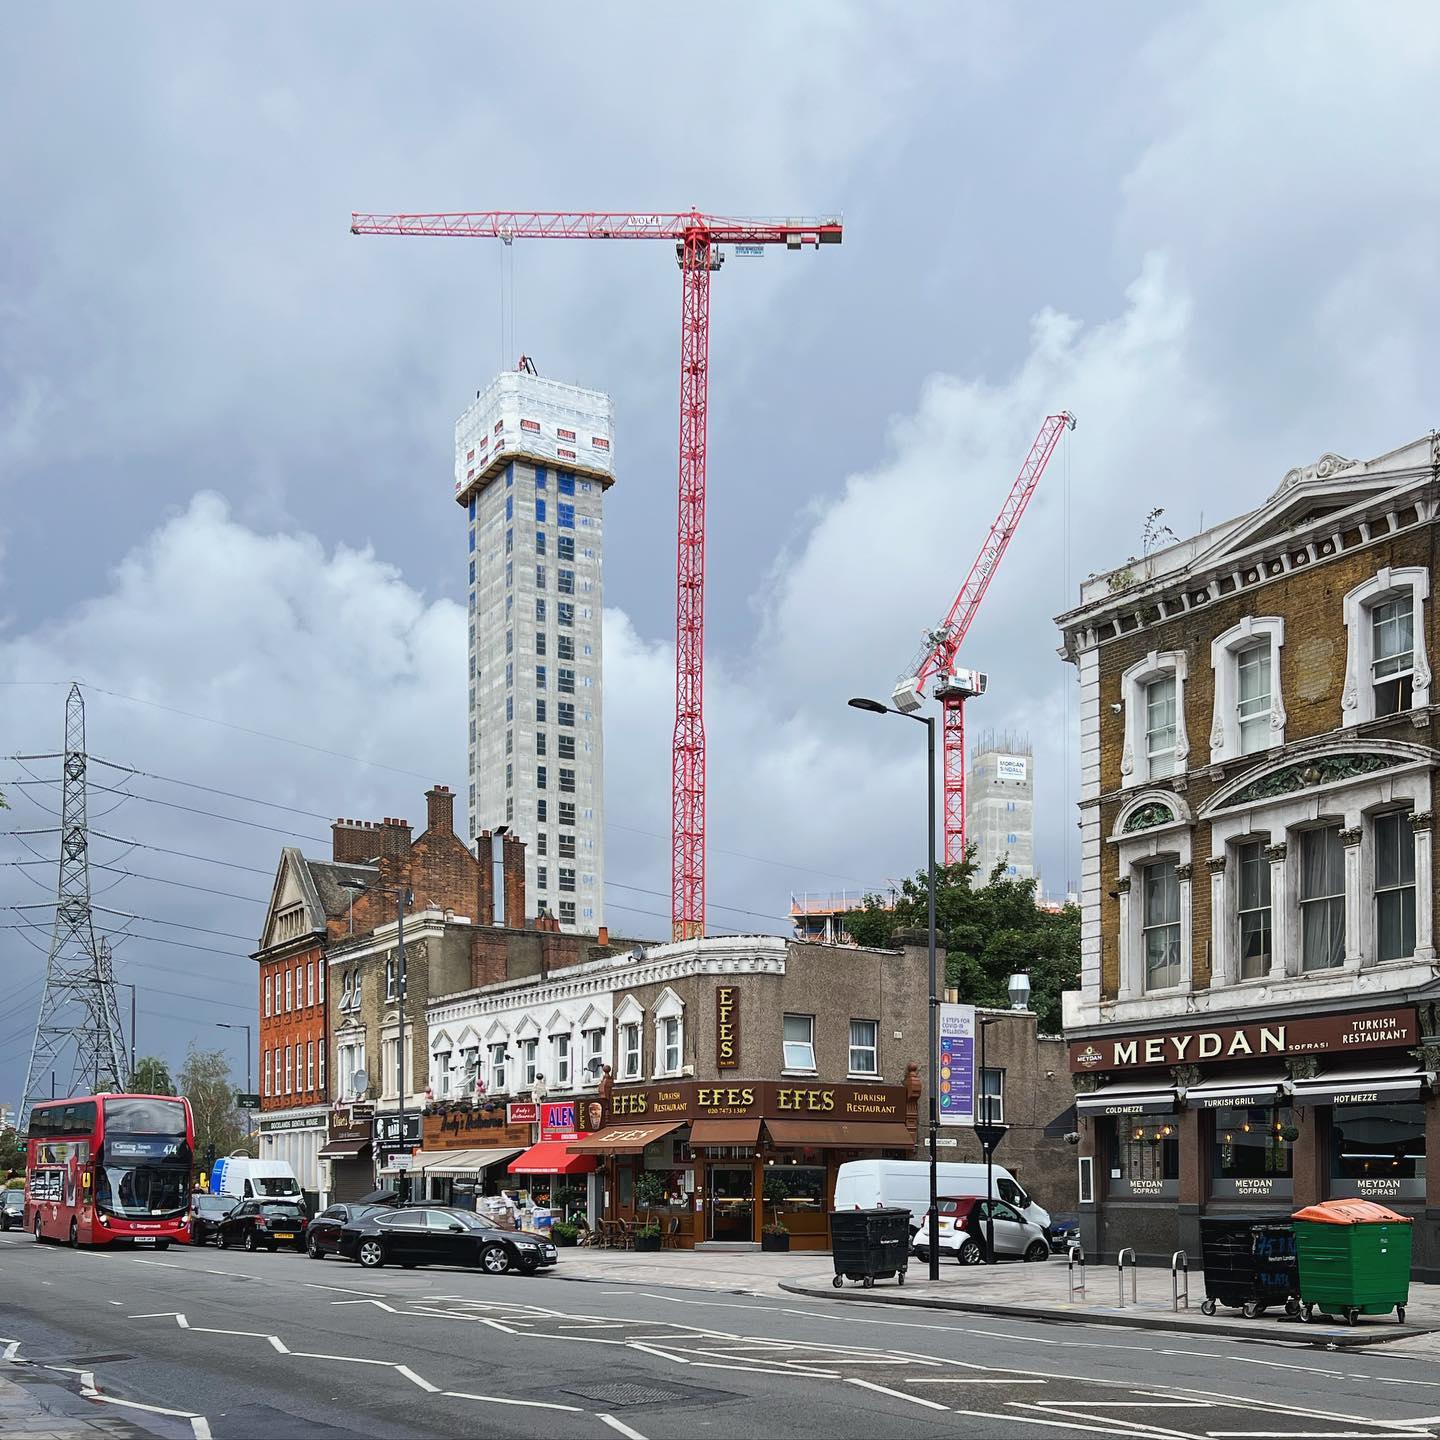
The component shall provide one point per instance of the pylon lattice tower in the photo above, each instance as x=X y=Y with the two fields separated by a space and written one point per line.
x=78 y=1010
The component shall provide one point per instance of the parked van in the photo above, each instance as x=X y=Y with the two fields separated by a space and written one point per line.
x=248 y=1179
x=868 y=1183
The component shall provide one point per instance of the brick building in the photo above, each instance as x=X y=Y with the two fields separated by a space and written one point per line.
x=1256 y=1023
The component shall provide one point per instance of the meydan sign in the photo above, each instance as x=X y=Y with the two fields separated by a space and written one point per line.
x=1306 y=1035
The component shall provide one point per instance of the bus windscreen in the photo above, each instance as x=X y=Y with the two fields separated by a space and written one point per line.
x=141 y=1115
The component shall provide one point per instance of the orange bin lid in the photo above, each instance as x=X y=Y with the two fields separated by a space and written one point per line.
x=1350 y=1212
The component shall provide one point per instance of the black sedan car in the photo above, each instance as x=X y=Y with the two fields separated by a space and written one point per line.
x=430 y=1235
x=264 y=1224
x=323 y=1236
x=12 y=1209
x=206 y=1213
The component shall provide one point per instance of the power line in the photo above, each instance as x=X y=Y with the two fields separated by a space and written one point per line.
x=138 y=875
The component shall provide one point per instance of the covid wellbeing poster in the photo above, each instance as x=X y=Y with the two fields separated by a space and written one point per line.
x=957 y=1065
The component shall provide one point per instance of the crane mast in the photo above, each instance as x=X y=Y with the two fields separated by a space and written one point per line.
x=936 y=658
x=697 y=238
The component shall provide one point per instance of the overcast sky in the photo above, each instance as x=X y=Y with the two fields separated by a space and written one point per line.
x=226 y=424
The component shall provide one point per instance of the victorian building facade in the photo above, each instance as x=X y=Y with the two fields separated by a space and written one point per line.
x=1255 y=1025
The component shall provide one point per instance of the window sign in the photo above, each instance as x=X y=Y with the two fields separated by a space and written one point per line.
x=1144 y=1155
x=1251 y=1156
x=1377 y=1152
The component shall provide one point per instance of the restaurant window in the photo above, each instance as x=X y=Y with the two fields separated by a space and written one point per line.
x=1145 y=1157
x=561 y=1067
x=1161 y=924
x=630 y=1051
x=1251 y=1151
x=992 y=1097
x=794 y=1196
x=864 y=1047
x=528 y=1049
x=1254 y=910
x=1394 y=886
x=1322 y=898
x=1377 y=1152
x=497 y=1067
x=799 y=1042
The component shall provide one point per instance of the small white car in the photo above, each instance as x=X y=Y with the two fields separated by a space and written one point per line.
x=962 y=1232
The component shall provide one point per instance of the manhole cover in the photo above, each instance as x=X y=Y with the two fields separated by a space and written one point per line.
x=625 y=1392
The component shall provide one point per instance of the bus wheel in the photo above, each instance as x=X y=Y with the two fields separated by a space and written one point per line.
x=74 y=1234
x=39 y=1233
x=162 y=1244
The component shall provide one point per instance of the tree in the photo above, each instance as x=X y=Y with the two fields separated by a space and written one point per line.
x=12 y=1153
x=989 y=932
x=205 y=1081
x=152 y=1077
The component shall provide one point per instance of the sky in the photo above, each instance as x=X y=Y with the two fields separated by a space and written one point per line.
x=226 y=424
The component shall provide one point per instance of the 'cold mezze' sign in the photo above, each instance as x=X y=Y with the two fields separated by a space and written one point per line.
x=1311 y=1034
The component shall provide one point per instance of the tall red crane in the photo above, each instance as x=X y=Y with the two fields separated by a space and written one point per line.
x=697 y=240
x=954 y=687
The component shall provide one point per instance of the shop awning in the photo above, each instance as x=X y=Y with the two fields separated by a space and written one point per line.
x=724 y=1132
x=1218 y=1094
x=623 y=1139
x=459 y=1162
x=551 y=1157
x=1374 y=1087
x=1128 y=1100
x=346 y=1150
x=842 y=1134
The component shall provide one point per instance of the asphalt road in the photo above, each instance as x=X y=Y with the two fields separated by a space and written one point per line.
x=199 y=1343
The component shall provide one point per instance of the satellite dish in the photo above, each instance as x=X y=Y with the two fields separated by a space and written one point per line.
x=361 y=1083
x=594 y=1065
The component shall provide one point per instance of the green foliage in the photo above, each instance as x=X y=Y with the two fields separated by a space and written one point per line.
x=649 y=1190
x=205 y=1081
x=989 y=932
x=563 y=1233
x=152 y=1077
x=12 y=1151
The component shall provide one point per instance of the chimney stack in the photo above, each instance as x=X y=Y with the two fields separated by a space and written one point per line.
x=394 y=837
x=352 y=842
x=440 y=810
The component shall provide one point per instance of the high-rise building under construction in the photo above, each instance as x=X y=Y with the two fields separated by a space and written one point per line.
x=533 y=459
x=1000 y=806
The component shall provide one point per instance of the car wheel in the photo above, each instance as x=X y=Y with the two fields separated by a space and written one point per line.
x=1037 y=1250
x=251 y=1243
x=39 y=1232
x=494 y=1260
x=969 y=1253
x=371 y=1254
x=313 y=1250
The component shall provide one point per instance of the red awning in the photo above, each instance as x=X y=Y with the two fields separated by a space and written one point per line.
x=552 y=1157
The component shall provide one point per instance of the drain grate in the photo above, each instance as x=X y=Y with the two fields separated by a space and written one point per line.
x=626 y=1392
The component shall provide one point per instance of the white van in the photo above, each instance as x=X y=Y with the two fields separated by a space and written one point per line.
x=248 y=1179
x=868 y=1183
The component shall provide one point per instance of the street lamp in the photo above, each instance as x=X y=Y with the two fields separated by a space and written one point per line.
x=225 y=1025
x=874 y=707
x=126 y=985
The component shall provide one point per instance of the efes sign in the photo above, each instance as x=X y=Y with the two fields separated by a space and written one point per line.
x=1313 y=1034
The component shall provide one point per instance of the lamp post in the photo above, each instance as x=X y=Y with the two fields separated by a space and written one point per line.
x=874 y=707
x=125 y=984
x=225 y=1025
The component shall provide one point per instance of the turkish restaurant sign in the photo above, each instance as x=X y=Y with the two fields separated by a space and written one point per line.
x=1307 y=1035
x=474 y=1129
x=694 y=1100
x=727 y=1027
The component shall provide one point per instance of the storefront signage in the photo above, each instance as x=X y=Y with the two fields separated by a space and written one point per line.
x=1249 y=1100
x=300 y=1122
x=1303 y=1036
x=557 y=1117
x=388 y=1132
x=473 y=1129
x=346 y=1133
x=957 y=1065
x=727 y=1027
x=521 y=1112
x=693 y=1100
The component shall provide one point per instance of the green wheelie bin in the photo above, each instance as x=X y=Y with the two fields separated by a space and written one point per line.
x=1354 y=1259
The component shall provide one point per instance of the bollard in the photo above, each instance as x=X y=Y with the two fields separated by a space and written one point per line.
x=1179 y=1267
x=1076 y=1256
x=1120 y=1275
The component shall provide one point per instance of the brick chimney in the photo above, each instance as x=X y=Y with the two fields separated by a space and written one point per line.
x=502 y=867
x=352 y=842
x=394 y=837
x=440 y=811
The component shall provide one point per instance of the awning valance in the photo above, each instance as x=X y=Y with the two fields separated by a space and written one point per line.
x=551 y=1157
x=1371 y=1088
x=744 y=1131
x=623 y=1139
x=459 y=1162
x=1128 y=1100
x=841 y=1134
x=346 y=1150
x=1221 y=1094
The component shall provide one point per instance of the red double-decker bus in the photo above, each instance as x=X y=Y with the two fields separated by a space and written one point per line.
x=102 y=1169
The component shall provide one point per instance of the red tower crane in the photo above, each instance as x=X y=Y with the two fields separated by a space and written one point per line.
x=937 y=655
x=697 y=240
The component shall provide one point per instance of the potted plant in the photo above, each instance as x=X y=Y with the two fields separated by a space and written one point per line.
x=650 y=1194
x=647 y=1236
x=775 y=1237
x=564 y=1234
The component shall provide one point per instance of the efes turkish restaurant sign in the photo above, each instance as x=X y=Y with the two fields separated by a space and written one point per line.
x=727 y=1027
x=694 y=1100
x=1307 y=1035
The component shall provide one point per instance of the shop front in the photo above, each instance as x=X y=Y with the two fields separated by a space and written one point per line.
x=463 y=1154
x=1266 y=1116
x=727 y=1163
x=348 y=1157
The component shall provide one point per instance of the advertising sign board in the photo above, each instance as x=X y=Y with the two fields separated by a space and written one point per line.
x=956 y=1067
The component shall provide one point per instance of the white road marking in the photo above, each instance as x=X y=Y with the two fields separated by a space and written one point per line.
x=620 y=1427
x=342 y=1289
x=897 y=1394
x=112 y=1302
x=1309 y=1434
x=200 y=1428
x=659 y=1354
x=501 y=1400
x=415 y=1379
x=1053 y=1424
x=279 y=1344
x=378 y=1304
x=1139 y=1404
x=166 y=1264
x=1126 y=1427
x=161 y=1315
x=970 y=1380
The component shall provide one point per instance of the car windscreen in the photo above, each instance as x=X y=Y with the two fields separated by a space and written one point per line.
x=14 y=1199
x=212 y=1205
x=276 y=1185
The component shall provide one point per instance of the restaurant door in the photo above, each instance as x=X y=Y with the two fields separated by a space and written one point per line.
x=732 y=1202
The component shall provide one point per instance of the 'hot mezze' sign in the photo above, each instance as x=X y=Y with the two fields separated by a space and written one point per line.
x=1311 y=1034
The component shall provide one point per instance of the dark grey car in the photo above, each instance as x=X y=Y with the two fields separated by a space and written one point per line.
x=12 y=1209
x=432 y=1235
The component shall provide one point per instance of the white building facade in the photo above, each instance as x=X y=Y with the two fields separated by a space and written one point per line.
x=533 y=459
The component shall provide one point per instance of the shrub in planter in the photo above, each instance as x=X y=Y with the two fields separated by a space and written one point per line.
x=563 y=1234
x=775 y=1238
x=647 y=1237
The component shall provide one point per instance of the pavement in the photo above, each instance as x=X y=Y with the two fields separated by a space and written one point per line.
x=203 y=1345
